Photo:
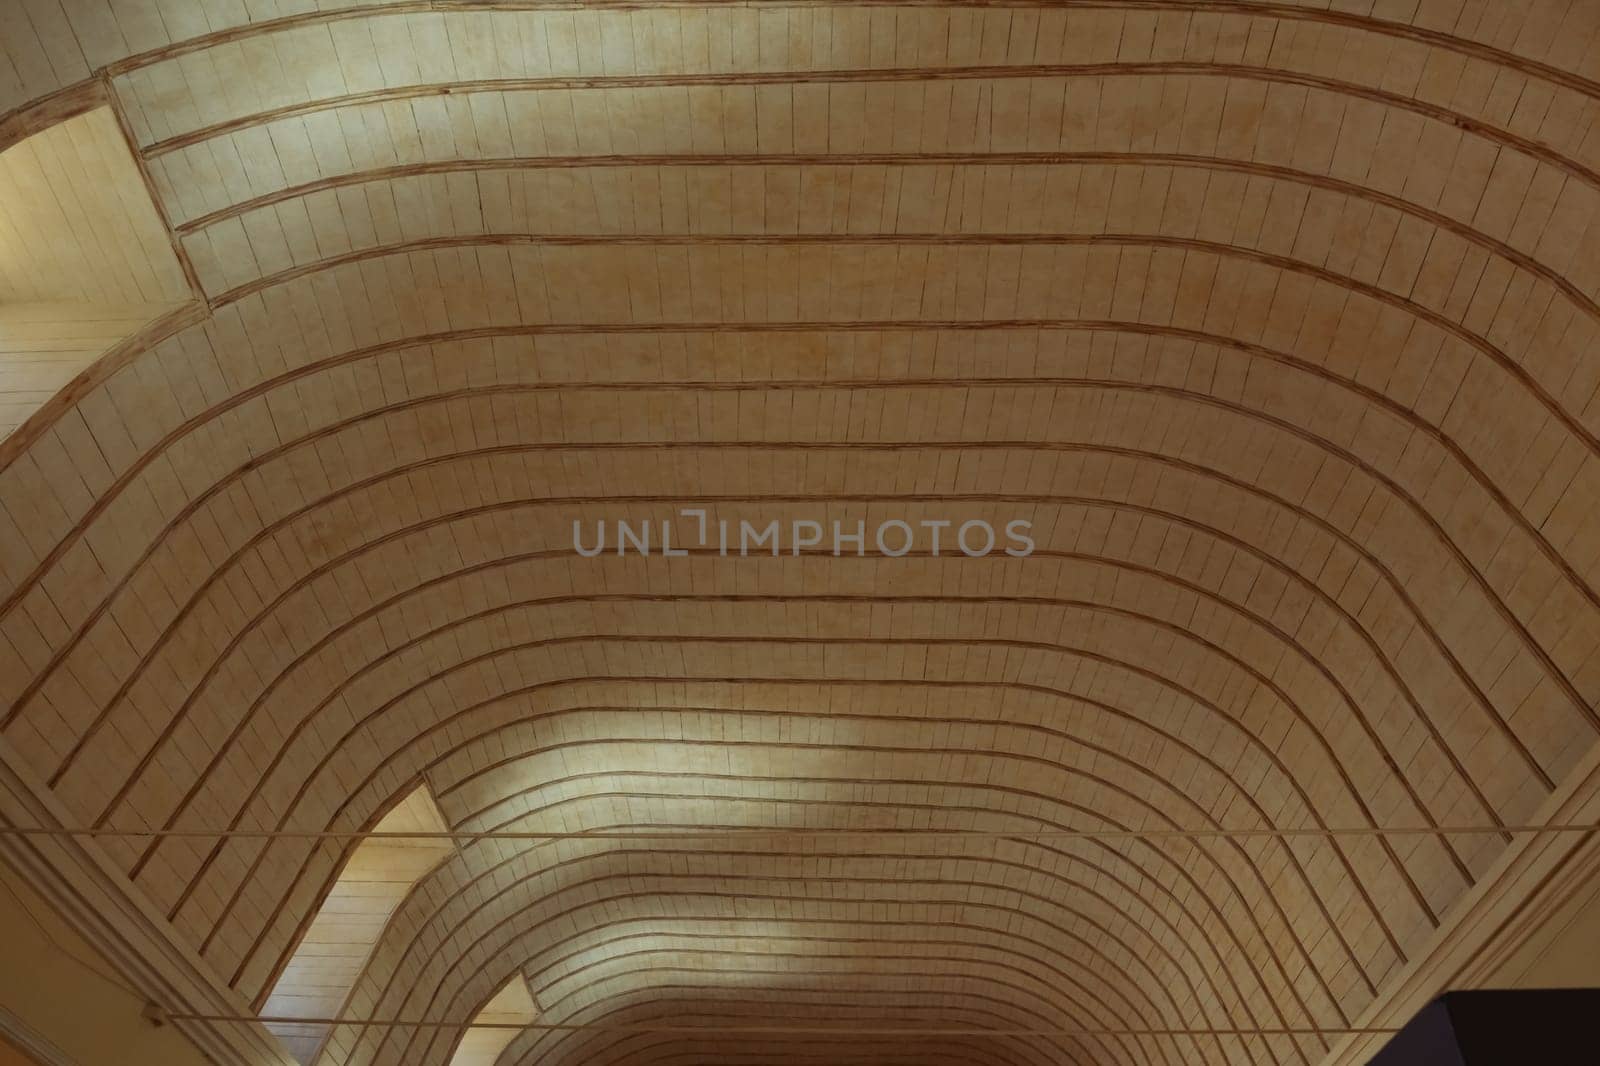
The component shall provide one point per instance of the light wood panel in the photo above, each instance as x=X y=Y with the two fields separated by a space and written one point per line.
x=86 y=260
x=43 y=346
x=328 y=959
x=512 y=1005
x=1278 y=323
x=76 y=221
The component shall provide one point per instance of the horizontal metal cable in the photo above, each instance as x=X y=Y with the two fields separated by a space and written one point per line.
x=735 y=833
x=780 y=1030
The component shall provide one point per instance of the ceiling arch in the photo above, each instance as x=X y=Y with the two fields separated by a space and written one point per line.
x=1276 y=323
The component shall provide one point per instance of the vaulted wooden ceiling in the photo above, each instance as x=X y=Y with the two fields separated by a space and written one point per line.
x=1277 y=321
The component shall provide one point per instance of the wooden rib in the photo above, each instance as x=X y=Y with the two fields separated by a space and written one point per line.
x=407 y=468
x=1100 y=871
x=1146 y=836
x=397 y=650
x=1016 y=990
x=476 y=836
x=677 y=1007
x=1090 y=606
x=1378 y=745
x=982 y=788
x=972 y=1050
x=986 y=1033
x=1285 y=12
x=1050 y=691
x=1140 y=69
x=989 y=1030
x=1178 y=868
x=38 y=423
x=1439 y=321
x=243 y=396
x=606 y=941
x=1121 y=994
x=920 y=159
x=1514 y=514
x=460 y=978
x=408 y=1023
x=1075 y=885
x=1365 y=392
x=1034 y=645
x=950 y=1051
x=924 y=938
x=1001 y=1038
x=303 y=723
x=142 y=165
x=36 y=117
x=975 y=1049
x=1090 y=950
x=1110 y=709
x=285 y=521
x=696 y=1008
x=1005 y=911
x=1125 y=858
x=669 y=386
x=1284 y=263
x=1402 y=778
x=1151 y=675
x=1193 y=1033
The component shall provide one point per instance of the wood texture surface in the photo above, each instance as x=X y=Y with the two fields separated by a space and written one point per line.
x=511 y=1006
x=76 y=224
x=44 y=346
x=330 y=957
x=1277 y=322
x=86 y=259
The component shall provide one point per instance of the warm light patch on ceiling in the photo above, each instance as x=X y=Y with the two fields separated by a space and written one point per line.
x=512 y=1005
x=85 y=258
x=334 y=951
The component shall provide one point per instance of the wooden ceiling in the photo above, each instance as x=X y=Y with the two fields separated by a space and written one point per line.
x=1278 y=323
x=85 y=259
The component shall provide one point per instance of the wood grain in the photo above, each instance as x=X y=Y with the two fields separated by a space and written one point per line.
x=1280 y=325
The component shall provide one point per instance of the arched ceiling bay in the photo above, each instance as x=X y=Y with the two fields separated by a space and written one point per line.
x=1276 y=322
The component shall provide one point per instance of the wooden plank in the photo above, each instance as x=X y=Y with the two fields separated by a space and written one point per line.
x=335 y=948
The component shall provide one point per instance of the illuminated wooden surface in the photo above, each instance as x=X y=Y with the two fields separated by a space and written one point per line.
x=77 y=224
x=510 y=1006
x=85 y=259
x=44 y=346
x=329 y=959
x=1278 y=323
